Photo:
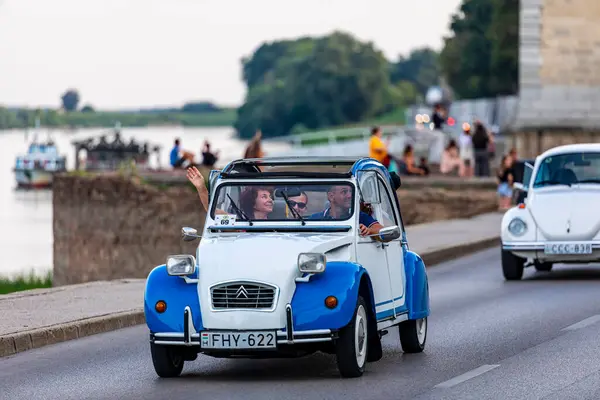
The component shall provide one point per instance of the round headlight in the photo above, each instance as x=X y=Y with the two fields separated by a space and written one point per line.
x=517 y=227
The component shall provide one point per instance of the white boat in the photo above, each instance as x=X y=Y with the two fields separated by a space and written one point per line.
x=38 y=166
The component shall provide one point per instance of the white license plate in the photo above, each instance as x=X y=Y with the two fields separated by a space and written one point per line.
x=568 y=248
x=238 y=340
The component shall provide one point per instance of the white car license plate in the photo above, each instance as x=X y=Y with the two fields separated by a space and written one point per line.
x=238 y=340
x=568 y=248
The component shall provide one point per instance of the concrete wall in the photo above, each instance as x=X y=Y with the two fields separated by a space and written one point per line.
x=110 y=227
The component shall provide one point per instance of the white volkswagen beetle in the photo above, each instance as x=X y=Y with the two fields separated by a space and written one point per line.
x=559 y=221
x=286 y=266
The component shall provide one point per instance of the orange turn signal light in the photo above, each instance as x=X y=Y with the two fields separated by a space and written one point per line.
x=160 y=306
x=521 y=205
x=331 y=302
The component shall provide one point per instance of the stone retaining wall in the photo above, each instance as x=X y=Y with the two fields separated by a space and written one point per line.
x=109 y=227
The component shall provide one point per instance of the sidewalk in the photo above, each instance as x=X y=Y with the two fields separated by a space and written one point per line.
x=40 y=317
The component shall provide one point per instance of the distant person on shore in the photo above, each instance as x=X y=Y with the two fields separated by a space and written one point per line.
x=254 y=148
x=378 y=150
x=450 y=161
x=407 y=164
x=505 y=179
x=209 y=159
x=465 y=142
x=438 y=117
x=178 y=157
x=482 y=144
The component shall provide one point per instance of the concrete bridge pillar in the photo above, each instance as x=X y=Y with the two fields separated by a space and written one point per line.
x=559 y=75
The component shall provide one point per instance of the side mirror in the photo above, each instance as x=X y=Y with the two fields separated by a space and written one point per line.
x=189 y=234
x=390 y=233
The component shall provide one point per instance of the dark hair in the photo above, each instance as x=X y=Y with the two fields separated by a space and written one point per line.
x=407 y=149
x=177 y=142
x=374 y=130
x=248 y=197
x=451 y=144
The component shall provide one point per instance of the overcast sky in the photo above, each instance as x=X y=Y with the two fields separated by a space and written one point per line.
x=139 y=53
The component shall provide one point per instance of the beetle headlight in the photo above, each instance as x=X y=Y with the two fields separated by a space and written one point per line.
x=311 y=263
x=517 y=227
x=182 y=264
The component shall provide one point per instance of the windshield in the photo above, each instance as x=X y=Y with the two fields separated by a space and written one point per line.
x=569 y=169
x=331 y=201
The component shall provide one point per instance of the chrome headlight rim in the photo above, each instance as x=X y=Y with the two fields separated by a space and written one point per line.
x=305 y=259
x=181 y=264
x=517 y=227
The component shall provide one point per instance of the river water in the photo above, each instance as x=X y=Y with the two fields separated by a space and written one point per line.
x=26 y=215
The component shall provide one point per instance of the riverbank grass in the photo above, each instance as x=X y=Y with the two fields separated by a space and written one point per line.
x=28 y=281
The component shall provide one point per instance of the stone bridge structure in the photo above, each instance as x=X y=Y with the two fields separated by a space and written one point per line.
x=559 y=75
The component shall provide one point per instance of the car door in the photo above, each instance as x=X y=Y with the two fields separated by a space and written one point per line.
x=388 y=215
x=372 y=256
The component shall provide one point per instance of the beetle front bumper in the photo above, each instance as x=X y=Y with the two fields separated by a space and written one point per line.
x=536 y=246
x=287 y=336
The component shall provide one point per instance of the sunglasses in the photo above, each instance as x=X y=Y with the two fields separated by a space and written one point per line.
x=297 y=203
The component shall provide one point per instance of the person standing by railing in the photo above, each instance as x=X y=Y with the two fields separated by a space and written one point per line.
x=378 y=150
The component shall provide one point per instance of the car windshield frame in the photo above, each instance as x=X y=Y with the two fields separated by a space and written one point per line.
x=301 y=184
x=541 y=181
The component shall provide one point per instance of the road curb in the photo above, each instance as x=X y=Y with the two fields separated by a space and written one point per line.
x=32 y=339
x=451 y=253
x=35 y=338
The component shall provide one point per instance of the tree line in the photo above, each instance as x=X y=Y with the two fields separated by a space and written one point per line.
x=319 y=82
x=70 y=114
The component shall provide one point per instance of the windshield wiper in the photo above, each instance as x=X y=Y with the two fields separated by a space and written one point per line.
x=238 y=211
x=551 y=182
x=292 y=209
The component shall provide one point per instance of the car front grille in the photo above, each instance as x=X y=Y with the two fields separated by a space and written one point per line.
x=243 y=295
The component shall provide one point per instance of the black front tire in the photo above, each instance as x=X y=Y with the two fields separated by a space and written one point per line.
x=351 y=363
x=512 y=266
x=168 y=361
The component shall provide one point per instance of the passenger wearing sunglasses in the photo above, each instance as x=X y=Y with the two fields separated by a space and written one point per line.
x=299 y=203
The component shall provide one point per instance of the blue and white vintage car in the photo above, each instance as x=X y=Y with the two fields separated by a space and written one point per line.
x=559 y=220
x=286 y=266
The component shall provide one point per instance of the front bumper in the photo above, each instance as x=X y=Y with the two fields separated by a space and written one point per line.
x=536 y=246
x=191 y=337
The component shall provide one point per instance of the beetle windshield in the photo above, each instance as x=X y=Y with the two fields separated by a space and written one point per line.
x=569 y=169
x=255 y=202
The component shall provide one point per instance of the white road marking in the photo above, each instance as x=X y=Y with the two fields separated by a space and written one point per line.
x=582 y=324
x=466 y=376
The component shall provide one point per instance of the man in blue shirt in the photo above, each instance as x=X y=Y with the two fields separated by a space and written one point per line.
x=340 y=200
x=175 y=159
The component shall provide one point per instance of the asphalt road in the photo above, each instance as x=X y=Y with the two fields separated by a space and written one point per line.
x=488 y=339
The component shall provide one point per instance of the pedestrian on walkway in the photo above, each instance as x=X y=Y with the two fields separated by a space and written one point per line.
x=482 y=141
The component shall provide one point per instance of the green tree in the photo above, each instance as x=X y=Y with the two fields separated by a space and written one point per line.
x=70 y=100
x=421 y=68
x=314 y=83
x=504 y=35
x=480 y=58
